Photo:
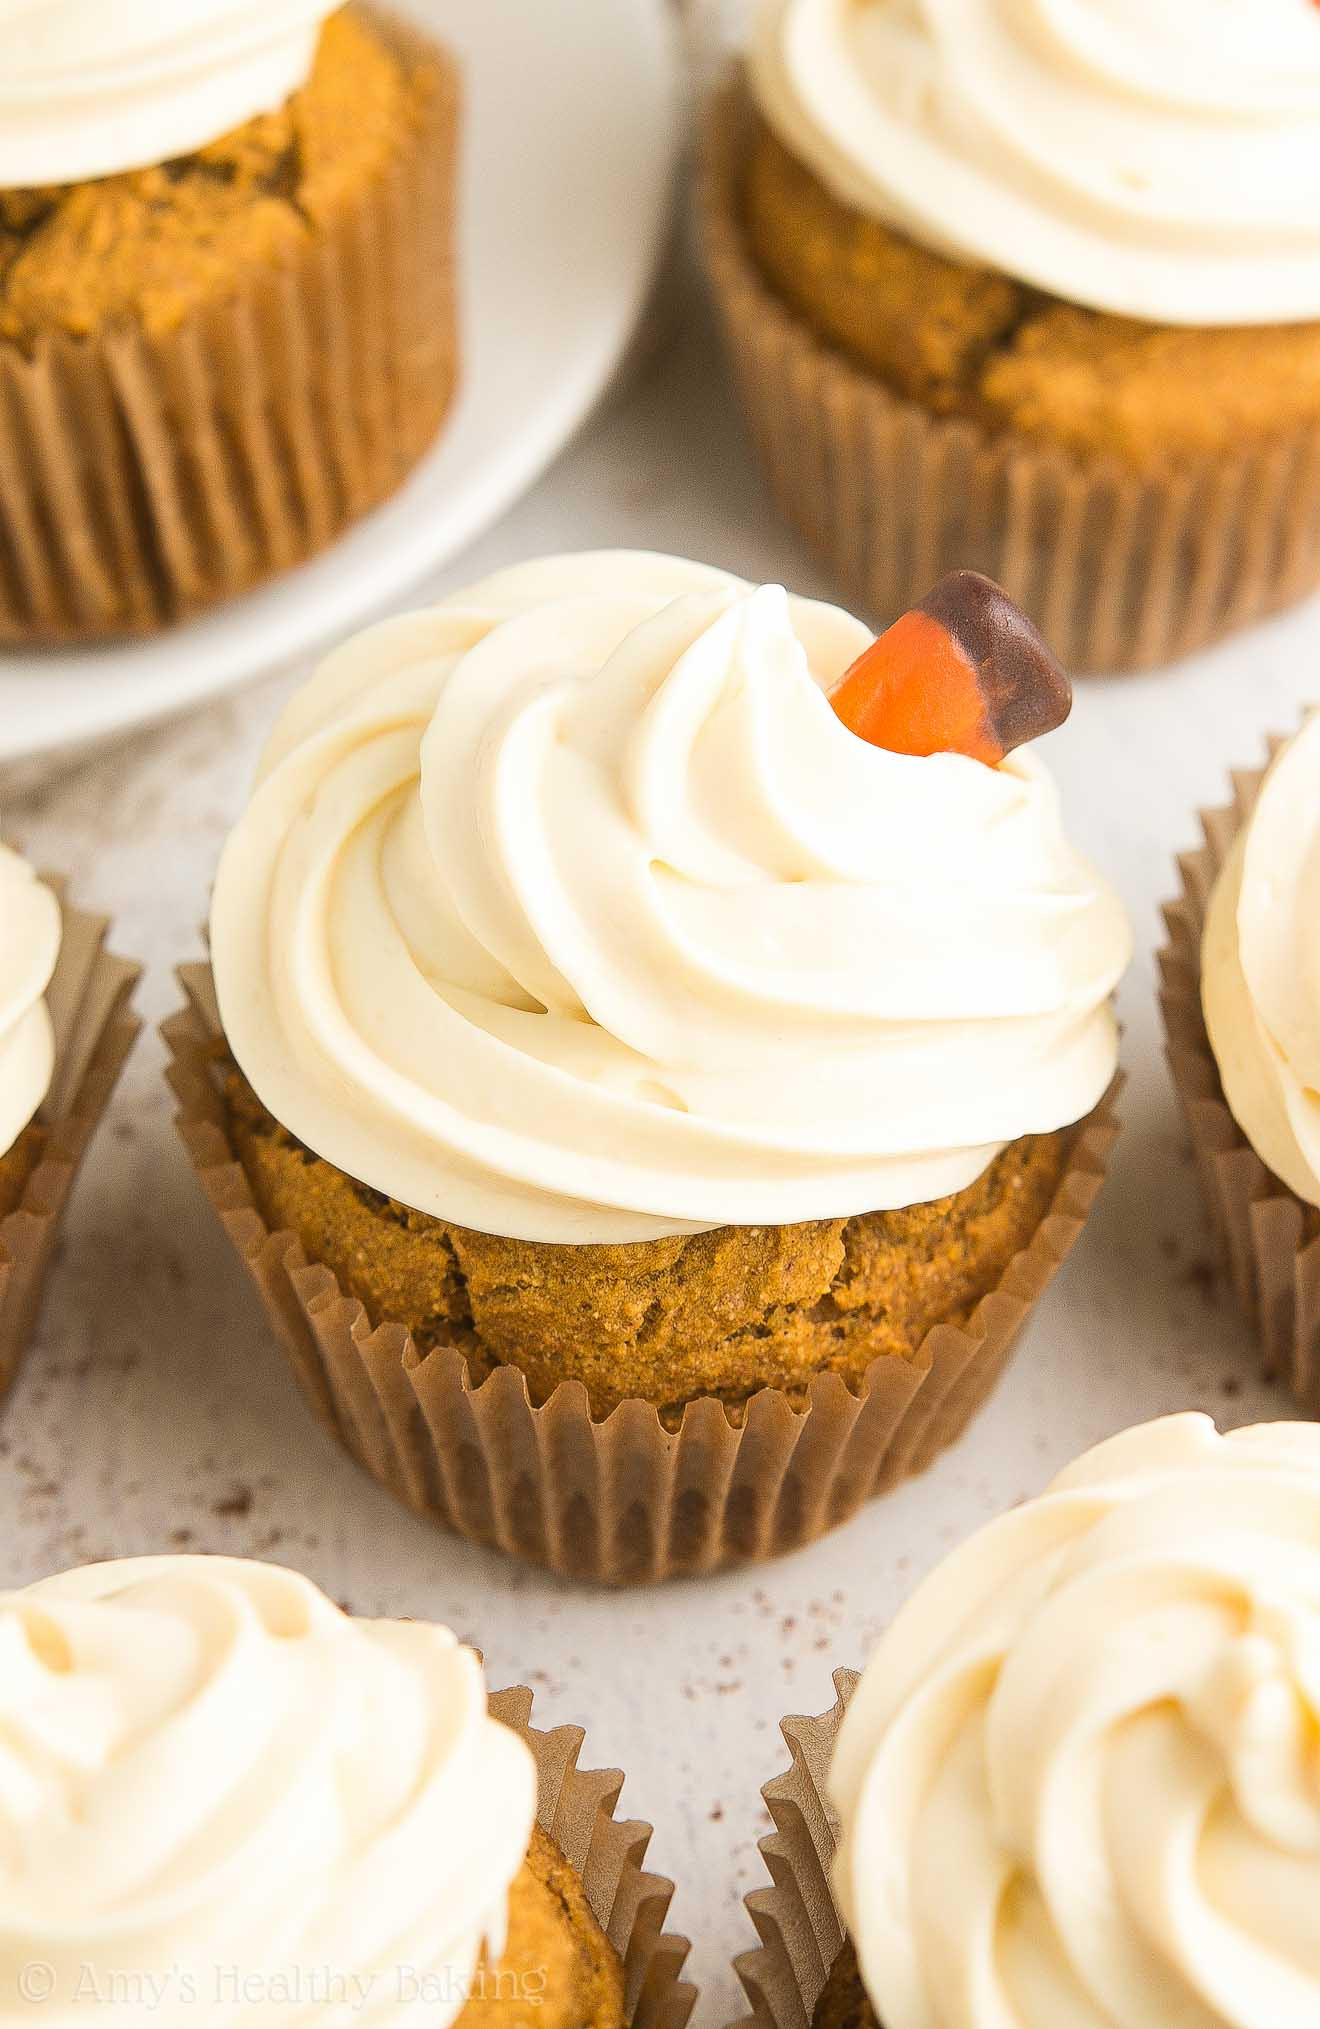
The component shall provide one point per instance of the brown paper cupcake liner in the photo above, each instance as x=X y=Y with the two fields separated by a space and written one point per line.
x=144 y=477
x=576 y=1807
x=1269 y=1236
x=1120 y=570
x=796 y=1920
x=88 y=998
x=621 y=1501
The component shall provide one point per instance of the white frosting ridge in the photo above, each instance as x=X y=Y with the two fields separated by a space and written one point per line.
x=1158 y=158
x=1079 y=1781
x=1260 y=969
x=570 y=911
x=91 y=87
x=29 y=947
x=220 y=1797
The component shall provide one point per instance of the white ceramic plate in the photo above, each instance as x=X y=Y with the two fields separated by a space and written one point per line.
x=572 y=120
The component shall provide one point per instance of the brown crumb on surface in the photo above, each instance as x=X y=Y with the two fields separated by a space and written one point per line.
x=235 y=1507
x=1202 y=1275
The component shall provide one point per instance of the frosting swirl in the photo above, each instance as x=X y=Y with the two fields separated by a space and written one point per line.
x=1260 y=969
x=1139 y=156
x=569 y=911
x=89 y=88
x=217 y=1790
x=29 y=947
x=1079 y=1781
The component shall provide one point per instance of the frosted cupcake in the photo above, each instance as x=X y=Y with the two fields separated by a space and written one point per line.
x=226 y=1795
x=1076 y=1781
x=1033 y=289
x=226 y=319
x=64 y=1033
x=29 y=948
x=1242 y=1010
x=605 y=1010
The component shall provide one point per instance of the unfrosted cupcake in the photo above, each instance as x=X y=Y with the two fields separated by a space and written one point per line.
x=226 y=1796
x=1242 y=1011
x=601 y=1009
x=65 y=1030
x=1077 y=1780
x=226 y=318
x=1034 y=290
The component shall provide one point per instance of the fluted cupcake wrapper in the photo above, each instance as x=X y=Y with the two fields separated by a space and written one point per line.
x=796 y=1920
x=1270 y=1238
x=621 y=1501
x=88 y=998
x=576 y=1807
x=1120 y=570
x=145 y=477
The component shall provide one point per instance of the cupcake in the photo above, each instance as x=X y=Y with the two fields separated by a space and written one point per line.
x=1036 y=296
x=1242 y=1014
x=226 y=318
x=65 y=1031
x=1077 y=1780
x=227 y=1795
x=604 y=1018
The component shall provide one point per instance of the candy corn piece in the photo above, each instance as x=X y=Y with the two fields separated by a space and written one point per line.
x=965 y=672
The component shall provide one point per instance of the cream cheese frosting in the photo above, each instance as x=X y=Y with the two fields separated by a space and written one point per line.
x=569 y=911
x=90 y=87
x=222 y=1799
x=1157 y=158
x=29 y=946
x=1079 y=1781
x=1260 y=969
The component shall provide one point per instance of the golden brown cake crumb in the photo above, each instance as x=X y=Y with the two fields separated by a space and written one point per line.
x=559 y=1970
x=921 y=322
x=960 y=340
x=1150 y=392
x=148 y=247
x=844 y=2003
x=723 y=1313
x=17 y=1165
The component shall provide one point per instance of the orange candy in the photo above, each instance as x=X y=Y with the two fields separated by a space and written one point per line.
x=965 y=672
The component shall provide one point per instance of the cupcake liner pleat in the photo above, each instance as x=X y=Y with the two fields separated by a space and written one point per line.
x=621 y=1501
x=145 y=476
x=576 y=1807
x=88 y=999
x=1269 y=1237
x=1121 y=570
x=796 y=1919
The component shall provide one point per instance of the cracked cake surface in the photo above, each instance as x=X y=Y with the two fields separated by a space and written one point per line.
x=150 y=246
